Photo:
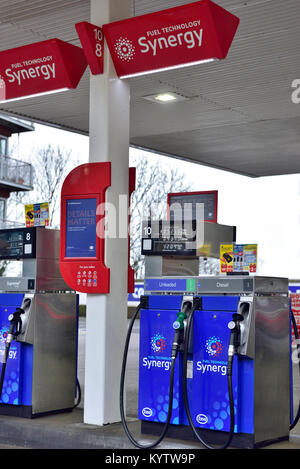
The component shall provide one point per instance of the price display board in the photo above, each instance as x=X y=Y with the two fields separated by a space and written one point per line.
x=18 y=243
x=192 y=205
x=164 y=237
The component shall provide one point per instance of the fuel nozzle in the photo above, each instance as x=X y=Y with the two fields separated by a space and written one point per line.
x=179 y=323
x=235 y=339
x=179 y=327
x=15 y=325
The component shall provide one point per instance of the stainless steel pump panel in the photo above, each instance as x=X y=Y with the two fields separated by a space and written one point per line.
x=38 y=250
x=50 y=325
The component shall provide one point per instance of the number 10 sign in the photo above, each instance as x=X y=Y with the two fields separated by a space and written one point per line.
x=92 y=41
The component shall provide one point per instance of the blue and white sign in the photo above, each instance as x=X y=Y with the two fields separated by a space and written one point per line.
x=162 y=284
x=81 y=228
x=134 y=298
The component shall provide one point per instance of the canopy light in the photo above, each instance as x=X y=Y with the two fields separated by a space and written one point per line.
x=31 y=95
x=166 y=97
x=165 y=69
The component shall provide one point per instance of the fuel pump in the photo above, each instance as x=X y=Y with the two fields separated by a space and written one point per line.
x=214 y=379
x=181 y=341
x=38 y=326
x=210 y=330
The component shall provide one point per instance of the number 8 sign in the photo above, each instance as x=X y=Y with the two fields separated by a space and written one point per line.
x=92 y=41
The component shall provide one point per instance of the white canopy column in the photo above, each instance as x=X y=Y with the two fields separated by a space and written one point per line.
x=107 y=314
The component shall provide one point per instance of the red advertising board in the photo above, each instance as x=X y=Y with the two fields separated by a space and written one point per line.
x=92 y=41
x=82 y=237
x=186 y=35
x=39 y=68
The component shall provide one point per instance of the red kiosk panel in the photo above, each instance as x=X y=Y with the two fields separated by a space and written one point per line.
x=82 y=230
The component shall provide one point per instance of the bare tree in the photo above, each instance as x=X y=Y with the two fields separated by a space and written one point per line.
x=51 y=165
x=153 y=183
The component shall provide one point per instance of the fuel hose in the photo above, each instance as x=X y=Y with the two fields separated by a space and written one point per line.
x=122 y=385
x=185 y=394
x=296 y=333
x=3 y=368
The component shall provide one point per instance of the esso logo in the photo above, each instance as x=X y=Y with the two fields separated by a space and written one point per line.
x=147 y=412
x=138 y=292
x=202 y=419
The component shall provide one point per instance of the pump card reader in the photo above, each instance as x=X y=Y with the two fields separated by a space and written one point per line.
x=82 y=243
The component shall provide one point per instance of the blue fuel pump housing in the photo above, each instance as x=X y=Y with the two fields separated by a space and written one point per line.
x=17 y=384
x=156 y=338
x=261 y=366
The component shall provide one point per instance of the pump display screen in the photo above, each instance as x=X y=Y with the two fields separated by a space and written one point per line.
x=17 y=243
x=184 y=205
x=163 y=237
x=81 y=228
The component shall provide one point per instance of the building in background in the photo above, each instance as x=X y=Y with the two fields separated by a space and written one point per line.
x=15 y=175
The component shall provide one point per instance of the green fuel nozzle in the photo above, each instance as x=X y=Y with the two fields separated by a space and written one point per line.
x=179 y=327
x=179 y=323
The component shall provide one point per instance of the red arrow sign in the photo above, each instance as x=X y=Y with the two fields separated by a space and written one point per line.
x=40 y=68
x=180 y=36
x=92 y=41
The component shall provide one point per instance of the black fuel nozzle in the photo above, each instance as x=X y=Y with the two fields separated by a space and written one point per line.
x=15 y=327
x=235 y=339
x=177 y=341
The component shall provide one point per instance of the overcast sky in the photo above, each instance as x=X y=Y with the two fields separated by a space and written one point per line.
x=264 y=210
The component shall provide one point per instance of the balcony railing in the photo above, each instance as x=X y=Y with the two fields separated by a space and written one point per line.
x=6 y=224
x=15 y=173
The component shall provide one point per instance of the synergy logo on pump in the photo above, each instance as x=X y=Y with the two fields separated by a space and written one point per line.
x=3 y=335
x=214 y=346
x=158 y=343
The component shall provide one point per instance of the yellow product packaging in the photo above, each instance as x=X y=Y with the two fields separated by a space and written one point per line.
x=226 y=258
